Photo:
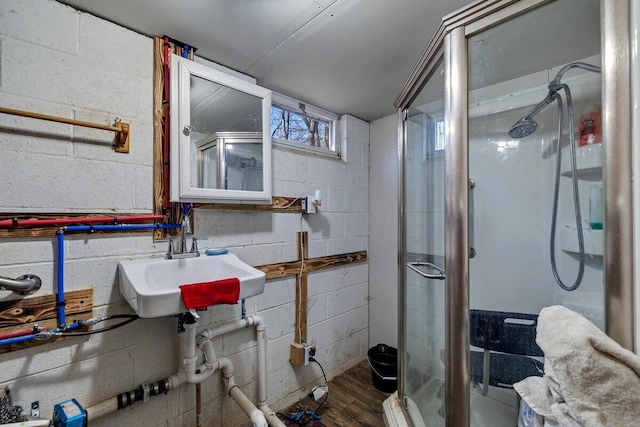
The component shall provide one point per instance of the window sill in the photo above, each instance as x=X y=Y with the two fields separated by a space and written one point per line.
x=276 y=142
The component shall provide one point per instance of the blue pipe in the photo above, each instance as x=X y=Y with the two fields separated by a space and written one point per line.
x=60 y=301
x=16 y=340
x=31 y=337
x=115 y=227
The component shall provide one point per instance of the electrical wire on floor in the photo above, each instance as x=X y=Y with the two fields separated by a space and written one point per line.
x=298 y=417
x=326 y=383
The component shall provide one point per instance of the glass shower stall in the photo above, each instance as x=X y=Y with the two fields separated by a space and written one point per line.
x=516 y=195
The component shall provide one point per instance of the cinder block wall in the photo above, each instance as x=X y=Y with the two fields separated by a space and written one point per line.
x=55 y=60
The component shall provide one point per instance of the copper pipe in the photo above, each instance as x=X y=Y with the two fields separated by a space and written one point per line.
x=122 y=129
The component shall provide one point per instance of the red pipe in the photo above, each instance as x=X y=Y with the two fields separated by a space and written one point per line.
x=15 y=334
x=33 y=222
x=167 y=110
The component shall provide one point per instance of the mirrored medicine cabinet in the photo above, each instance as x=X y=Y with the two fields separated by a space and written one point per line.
x=220 y=138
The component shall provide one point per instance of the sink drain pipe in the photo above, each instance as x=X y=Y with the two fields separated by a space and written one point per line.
x=206 y=345
x=191 y=373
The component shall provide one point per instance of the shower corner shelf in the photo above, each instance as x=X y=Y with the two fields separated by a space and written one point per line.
x=593 y=241
x=589 y=160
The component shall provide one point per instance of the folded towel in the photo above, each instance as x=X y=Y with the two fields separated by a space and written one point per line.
x=589 y=381
x=199 y=296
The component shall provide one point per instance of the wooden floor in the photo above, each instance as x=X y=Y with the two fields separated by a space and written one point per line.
x=352 y=401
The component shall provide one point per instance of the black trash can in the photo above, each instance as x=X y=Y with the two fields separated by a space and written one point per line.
x=384 y=367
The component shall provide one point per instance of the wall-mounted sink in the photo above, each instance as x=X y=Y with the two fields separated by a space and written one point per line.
x=152 y=286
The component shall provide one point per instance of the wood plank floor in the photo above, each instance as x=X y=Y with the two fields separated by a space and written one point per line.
x=352 y=401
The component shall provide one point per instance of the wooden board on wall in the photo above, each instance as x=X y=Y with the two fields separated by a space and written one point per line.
x=41 y=311
x=284 y=269
x=52 y=230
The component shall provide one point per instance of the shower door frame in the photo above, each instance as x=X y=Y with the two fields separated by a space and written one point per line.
x=617 y=181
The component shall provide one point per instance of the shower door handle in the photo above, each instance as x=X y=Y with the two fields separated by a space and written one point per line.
x=472 y=251
x=438 y=276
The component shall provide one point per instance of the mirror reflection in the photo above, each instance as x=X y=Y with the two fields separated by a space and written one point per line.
x=229 y=160
x=226 y=137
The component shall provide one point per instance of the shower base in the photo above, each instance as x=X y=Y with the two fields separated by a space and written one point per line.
x=486 y=412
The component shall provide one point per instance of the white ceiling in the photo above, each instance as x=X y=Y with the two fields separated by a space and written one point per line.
x=346 y=56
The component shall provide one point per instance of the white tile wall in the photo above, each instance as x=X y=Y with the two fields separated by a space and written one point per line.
x=57 y=61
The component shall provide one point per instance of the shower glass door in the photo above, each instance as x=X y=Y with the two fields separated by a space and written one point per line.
x=516 y=236
x=423 y=254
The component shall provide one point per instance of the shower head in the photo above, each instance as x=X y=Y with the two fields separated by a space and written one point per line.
x=524 y=127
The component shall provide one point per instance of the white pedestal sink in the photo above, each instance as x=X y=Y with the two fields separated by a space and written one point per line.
x=152 y=286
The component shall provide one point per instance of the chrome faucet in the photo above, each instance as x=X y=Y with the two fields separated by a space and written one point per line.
x=184 y=229
x=182 y=252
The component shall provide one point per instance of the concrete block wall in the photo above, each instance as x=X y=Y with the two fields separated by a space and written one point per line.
x=383 y=255
x=55 y=60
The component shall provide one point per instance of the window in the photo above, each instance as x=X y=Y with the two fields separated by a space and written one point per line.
x=439 y=139
x=303 y=126
x=430 y=129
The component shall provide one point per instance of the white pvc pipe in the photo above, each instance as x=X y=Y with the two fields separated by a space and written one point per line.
x=206 y=346
x=175 y=381
x=257 y=417
x=261 y=338
x=187 y=370
x=227 y=327
x=103 y=408
x=260 y=415
x=34 y=423
x=271 y=417
x=228 y=371
x=262 y=367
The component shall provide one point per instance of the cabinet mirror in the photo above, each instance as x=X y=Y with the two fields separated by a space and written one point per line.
x=220 y=139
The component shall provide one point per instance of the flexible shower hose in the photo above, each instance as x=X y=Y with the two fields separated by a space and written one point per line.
x=576 y=199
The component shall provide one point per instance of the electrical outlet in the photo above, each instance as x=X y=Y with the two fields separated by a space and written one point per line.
x=301 y=354
x=307 y=206
x=35 y=409
x=307 y=353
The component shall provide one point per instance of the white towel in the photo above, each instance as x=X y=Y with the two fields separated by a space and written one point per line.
x=589 y=381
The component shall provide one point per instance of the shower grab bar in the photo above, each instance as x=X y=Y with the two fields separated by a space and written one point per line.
x=415 y=264
x=23 y=284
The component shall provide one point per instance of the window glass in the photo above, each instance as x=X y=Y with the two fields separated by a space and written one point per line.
x=301 y=125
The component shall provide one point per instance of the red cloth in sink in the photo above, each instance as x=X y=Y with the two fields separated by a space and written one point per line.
x=199 y=296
